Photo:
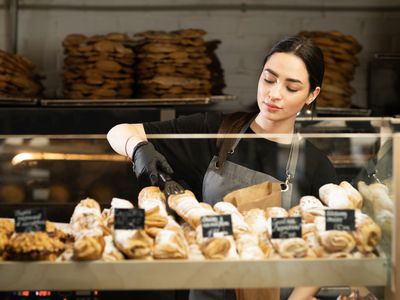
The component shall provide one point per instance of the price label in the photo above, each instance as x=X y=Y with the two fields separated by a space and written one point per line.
x=286 y=228
x=31 y=219
x=340 y=219
x=129 y=218
x=216 y=226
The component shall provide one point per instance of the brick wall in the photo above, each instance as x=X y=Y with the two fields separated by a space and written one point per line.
x=246 y=34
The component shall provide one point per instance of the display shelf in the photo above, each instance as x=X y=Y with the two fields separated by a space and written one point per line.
x=134 y=102
x=14 y=101
x=173 y=274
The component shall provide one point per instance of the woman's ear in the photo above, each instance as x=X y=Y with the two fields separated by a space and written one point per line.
x=313 y=95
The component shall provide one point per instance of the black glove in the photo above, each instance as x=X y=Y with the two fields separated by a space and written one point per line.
x=147 y=163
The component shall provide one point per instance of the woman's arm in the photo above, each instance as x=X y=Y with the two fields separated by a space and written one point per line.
x=124 y=137
x=303 y=293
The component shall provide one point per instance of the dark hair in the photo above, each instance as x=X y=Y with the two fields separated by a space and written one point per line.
x=308 y=52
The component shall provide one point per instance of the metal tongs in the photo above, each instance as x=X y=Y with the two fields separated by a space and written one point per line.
x=171 y=187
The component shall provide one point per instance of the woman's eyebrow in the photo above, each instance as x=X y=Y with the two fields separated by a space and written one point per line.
x=287 y=79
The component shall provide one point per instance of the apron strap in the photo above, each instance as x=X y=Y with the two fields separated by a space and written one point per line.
x=231 y=123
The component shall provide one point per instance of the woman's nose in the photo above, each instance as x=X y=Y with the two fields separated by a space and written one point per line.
x=275 y=92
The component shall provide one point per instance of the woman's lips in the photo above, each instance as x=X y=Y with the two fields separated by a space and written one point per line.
x=271 y=107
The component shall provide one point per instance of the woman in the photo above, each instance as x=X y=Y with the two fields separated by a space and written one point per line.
x=290 y=79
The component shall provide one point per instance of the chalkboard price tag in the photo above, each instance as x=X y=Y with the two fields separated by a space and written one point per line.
x=129 y=218
x=340 y=219
x=30 y=220
x=216 y=226
x=286 y=228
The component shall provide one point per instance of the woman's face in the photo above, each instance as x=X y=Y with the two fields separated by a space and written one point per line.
x=283 y=87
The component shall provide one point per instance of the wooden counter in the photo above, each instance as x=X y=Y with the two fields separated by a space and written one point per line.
x=173 y=274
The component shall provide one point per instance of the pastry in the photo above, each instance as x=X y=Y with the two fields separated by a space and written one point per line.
x=88 y=247
x=291 y=248
x=310 y=235
x=188 y=208
x=111 y=253
x=276 y=212
x=311 y=207
x=367 y=233
x=7 y=226
x=133 y=243
x=295 y=211
x=352 y=194
x=335 y=196
x=4 y=240
x=248 y=246
x=238 y=223
x=150 y=198
x=256 y=220
x=215 y=248
x=336 y=241
x=87 y=226
x=34 y=246
x=170 y=244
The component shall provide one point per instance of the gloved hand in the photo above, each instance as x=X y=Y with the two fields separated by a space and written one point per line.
x=147 y=163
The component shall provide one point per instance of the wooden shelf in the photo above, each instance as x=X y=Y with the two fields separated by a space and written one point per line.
x=137 y=275
x=134 y=102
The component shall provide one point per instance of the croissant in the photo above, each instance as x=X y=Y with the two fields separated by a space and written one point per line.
x=188 y=208
x=155 y=220
x=353 y=195
x=151 y=198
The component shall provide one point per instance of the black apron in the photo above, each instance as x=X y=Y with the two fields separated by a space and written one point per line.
x=220 y=181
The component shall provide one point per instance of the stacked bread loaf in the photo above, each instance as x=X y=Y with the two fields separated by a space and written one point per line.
x=173 y=64
x=18 y=77
x=340 y=52
x=98 y=67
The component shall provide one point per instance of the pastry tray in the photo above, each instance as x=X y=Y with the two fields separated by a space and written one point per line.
x=134 y=102
x=185 y=274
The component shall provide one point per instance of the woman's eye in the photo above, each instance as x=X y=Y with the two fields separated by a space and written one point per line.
x=291 y=90
x=268 y=81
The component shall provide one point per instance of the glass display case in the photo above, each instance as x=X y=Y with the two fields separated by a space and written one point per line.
x=56 y=172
